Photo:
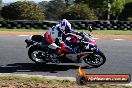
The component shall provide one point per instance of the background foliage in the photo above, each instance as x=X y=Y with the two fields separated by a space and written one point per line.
x=22 y=11
x=69 y=9
x=79 y=12
x=53 y=9
x=98 y=6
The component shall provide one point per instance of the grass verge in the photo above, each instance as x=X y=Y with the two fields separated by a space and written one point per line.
x=37 y=82
x=21 y=30
x=101 y=34
x=113 y=32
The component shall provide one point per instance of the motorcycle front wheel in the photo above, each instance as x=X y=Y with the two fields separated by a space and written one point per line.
x=95 y=60
x=37 y=54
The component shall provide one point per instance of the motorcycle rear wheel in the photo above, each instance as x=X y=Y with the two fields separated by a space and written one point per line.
x=95 y=60
x=37 y=54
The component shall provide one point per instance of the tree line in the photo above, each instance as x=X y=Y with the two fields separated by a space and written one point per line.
x=69 y=9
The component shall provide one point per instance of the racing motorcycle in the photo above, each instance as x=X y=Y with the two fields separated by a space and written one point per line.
x=84 y=45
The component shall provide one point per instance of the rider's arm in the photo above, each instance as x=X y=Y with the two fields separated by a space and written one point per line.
x=80 y=33
x=77 y=33
x=74 y=31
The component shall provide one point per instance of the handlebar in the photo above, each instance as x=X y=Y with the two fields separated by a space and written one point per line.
x=82 y=34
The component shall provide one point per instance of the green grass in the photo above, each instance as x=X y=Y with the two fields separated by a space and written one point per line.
x=22 y=79
x=43 y=81
x=32 y=79
x=114 y=32
x=21 y=30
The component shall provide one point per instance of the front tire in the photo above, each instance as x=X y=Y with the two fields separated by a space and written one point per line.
x=95 y=60
x=37 y=54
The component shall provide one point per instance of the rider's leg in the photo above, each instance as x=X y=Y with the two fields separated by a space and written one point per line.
x=57 y=49
x=66 y=48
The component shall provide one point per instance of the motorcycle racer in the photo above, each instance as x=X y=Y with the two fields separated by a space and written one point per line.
x=54 y=37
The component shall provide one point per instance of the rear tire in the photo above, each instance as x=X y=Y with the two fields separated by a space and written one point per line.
x=36 y=54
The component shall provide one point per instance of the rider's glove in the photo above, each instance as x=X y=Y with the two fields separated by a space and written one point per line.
x=77 y=33
x=90 y=35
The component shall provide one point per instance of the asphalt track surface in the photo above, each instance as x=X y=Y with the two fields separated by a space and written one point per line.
x=14 y=59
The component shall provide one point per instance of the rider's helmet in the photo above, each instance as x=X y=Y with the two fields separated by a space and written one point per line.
x=65 y=26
